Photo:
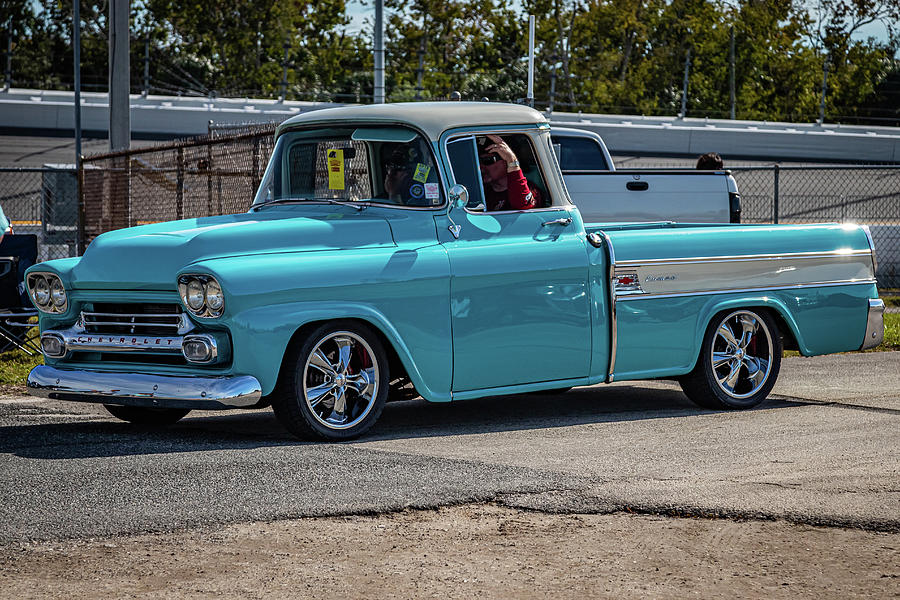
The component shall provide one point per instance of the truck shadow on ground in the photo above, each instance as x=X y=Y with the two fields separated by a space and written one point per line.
x=103 y=436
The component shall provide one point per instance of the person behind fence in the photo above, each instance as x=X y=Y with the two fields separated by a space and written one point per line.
x=24 y=250
x=711 y=161
x=505 y=186
x=5 y=226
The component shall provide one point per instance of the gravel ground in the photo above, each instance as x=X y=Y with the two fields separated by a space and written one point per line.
x=465 y=552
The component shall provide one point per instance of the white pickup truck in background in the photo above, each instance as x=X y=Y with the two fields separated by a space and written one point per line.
x=604 y=194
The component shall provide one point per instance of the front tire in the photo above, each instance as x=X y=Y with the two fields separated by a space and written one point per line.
x=335 y=383
x=147 y=416
x=739 y=361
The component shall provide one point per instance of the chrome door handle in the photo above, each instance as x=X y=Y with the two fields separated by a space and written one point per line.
x=564 y=221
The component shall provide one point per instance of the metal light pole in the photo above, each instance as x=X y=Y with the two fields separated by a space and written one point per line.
x=284 y=70
x=530 y=95
x=824 y=91
x=420 y=72
x=7 y=83
x=684 y=90
x=731 y=61
x=379 y=52
x=76 y=48
x=146 y=91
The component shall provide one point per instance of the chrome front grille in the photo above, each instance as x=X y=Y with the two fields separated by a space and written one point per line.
x=135 y=319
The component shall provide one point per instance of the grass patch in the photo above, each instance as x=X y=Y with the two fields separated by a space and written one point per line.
x=15 y=366
x=891 y=301
x=891 y=332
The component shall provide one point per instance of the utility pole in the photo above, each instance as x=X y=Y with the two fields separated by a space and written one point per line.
x=684 y=89
x=731 y=62
x=119 y=76
x=824 y=91
x=379 y=52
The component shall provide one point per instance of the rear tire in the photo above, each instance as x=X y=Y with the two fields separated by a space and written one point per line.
x=147 y=416
x=334 y=383
x=739 y=361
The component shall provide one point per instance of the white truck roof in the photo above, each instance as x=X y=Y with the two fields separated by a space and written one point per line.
x=433 y=118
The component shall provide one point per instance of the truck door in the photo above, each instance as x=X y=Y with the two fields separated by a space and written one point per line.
x=519 y=297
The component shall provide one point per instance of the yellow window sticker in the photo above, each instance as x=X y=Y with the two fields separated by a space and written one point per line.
x=421 y=174
x=335 y=169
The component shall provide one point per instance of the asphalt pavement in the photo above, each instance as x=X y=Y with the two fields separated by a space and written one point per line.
x=823 y=450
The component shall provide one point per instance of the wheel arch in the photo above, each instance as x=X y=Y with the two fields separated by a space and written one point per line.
x=787 y=325
x=286 y=324
x=396 y=365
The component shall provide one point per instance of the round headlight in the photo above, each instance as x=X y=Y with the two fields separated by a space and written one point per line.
x=41 y=291
x=58 y=293
x=215 y=300
x=195 y=294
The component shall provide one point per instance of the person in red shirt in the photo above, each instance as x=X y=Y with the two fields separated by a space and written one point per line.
x=505 y=186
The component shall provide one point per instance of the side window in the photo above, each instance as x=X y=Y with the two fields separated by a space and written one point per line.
x=499 y=184
x=482 y=168
x=407 y=174
x=464 y=163
x=579 y=154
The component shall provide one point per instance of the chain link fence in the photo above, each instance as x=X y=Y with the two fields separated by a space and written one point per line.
x=867 y=195
x=218 y=174
x=210 y=175
x=43 y=201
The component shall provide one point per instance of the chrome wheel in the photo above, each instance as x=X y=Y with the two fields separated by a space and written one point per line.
x=739 y=360
x=341 y=380
x=741 y=354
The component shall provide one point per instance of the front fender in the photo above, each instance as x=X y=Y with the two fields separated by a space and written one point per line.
x=261 y=336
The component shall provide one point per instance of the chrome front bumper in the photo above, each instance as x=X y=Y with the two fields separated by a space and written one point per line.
x=874 y=325
x=142 y=389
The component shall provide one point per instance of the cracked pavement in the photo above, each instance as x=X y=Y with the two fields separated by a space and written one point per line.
x=823 y=450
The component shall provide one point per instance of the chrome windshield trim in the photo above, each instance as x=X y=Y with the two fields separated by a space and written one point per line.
x=647 y=296
x=741 y=258
x=144 y=389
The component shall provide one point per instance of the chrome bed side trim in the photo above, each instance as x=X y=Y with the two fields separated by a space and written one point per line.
x=623 y=298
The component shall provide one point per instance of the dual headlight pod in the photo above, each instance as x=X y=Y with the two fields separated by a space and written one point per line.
x=47 y=292
x=201 y=295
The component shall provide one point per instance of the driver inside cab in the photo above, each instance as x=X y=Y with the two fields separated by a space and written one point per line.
x=505 y=185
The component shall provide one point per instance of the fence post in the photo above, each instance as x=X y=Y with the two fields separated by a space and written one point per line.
x=775 y=197
x=79 y=182
x=179 y=184
x=255 y=176
x=209 y=185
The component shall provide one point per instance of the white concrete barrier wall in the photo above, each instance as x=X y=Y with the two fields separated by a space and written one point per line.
x=185 y=116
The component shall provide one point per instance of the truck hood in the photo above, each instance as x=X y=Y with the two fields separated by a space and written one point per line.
x=149 y=257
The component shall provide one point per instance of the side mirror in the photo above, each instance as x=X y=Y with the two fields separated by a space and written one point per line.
x=459 y=196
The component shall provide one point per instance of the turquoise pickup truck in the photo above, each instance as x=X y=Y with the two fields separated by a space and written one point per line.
x=368 y=268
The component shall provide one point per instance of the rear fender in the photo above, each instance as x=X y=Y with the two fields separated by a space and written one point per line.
x=715 y=306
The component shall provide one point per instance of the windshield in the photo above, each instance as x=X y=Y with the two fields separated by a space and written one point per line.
x=385 y=165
